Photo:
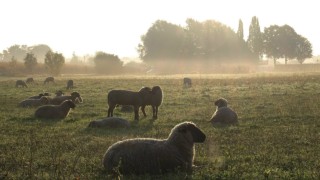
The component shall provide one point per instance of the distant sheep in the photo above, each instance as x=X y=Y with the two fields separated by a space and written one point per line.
x=155 y=156
x=70 y=84
x=39 y=96
x=110 y=122
x=124 y=97
x=21 y=83
x=34 y=102
x=49 y=79
x=154 y=100
x=223 y=114
x=55 y=111
x=30 y=80
x=75 y=97
x=187 y=82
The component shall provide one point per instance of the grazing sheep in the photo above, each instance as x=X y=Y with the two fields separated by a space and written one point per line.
x=155 y=156
x=30 y=80
x=110 y=122
x=70 y=84
x=154 y=100
x=34 y=102
x=39 y=96
x=20 y=83
x=55 y=111
x=75 y=97
x=124 y=97
x=223 y=114
x=49 y=79
x=187 y=82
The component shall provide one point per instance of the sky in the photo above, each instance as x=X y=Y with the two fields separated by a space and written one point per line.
x=84 y=27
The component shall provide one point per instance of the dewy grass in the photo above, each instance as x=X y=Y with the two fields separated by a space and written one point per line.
x=277 y=138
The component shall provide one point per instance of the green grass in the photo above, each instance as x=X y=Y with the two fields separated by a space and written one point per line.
x=278 y=136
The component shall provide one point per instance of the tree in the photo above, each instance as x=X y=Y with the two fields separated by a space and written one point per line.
x=30 y=61
x=19 y=52
x=54 y=62
x=13 y=62
x=271 y=43
x=240 y=30
x=255 y=42
x=303 y=49
x=107 y=63
x=39 y=51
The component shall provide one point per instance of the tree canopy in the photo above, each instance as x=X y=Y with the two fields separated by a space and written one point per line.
x=54 y=62
x=30 y=61
x=107 y=63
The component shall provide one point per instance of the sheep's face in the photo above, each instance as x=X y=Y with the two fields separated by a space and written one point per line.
x=192 y=132
x=77 y=95
x=221 y=103
x=155 y=89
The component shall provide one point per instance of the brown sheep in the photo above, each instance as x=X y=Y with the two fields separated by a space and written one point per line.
x=70 y=84
x=30 y=80
x=154 y=100
x=34 y=102
x=187 y=82
x=49 y=79
x=155 y=156
x=20 y=83
x=223 y=114
x=75 y=97
x=55 y=111
x=110 y=122
x=124 y=97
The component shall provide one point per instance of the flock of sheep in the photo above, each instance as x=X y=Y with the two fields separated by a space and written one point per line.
x=139 y=155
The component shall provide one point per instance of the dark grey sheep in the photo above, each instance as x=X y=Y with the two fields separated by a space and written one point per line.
x=30 y=80
x=109 y=122
x=70 y=84
x=49 y=79
x=155 y=156
x=154 y=100
x=55 y=111
x=75 y=97
x=34 y=102
x=223 y=114
x=21 y=83
x=124 y=97
x=187 y=82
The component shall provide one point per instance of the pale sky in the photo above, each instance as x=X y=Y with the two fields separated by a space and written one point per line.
x=115 y=26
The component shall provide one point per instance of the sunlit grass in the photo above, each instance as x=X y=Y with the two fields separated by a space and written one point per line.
x=278 y=136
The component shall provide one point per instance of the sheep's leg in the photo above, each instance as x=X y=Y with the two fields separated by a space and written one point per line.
x=154 y=112
x=136 y=113
x=143 y=110
x=110 y=110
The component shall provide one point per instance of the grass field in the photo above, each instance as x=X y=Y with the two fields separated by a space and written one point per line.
x=278 y=136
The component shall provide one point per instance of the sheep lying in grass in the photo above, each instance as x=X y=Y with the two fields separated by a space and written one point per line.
x=49 y=79
x=70 y=84
x=110 y=122
x=223 y=114
x=187 y=82
x=75 y=97
x=154 y=156
x=124 y=97
x=55 y=111
x=155 y=100
x=34 y=102
x=20 y=83
x=39 y=96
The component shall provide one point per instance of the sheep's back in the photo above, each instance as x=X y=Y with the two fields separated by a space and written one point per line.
x=123 y=97
x=225 y=115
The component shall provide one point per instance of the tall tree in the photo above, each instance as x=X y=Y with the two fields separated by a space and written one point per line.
x=40 y=51
x=30 y=61
x=240 y=30
x=54 y=62
x=303 y=49
x=255 y=42
x=107 y=63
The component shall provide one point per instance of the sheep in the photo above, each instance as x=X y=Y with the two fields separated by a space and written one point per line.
x=187 y=82
x=125 y=97
x=155 y=156
x=75 y=97
x=49 y=79
x=21 y=83
x=70 y=84
x=154 y=100
x=55 y=111
x=59 y=93
x=39 y=96
x=223 y=114
x=30 y=80
x=34 y=102
x=110 y=122
x=126 y=108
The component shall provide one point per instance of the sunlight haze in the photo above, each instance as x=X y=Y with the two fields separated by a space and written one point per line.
x=115 y=27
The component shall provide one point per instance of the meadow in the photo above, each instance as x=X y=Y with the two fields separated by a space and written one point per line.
x=277 y=138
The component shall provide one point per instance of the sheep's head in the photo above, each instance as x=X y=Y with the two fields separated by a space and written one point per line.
x=221 y=102
x=155 y=89
x=189 y=130
x=44 y=100
x=77 y=95
x=145 y=91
